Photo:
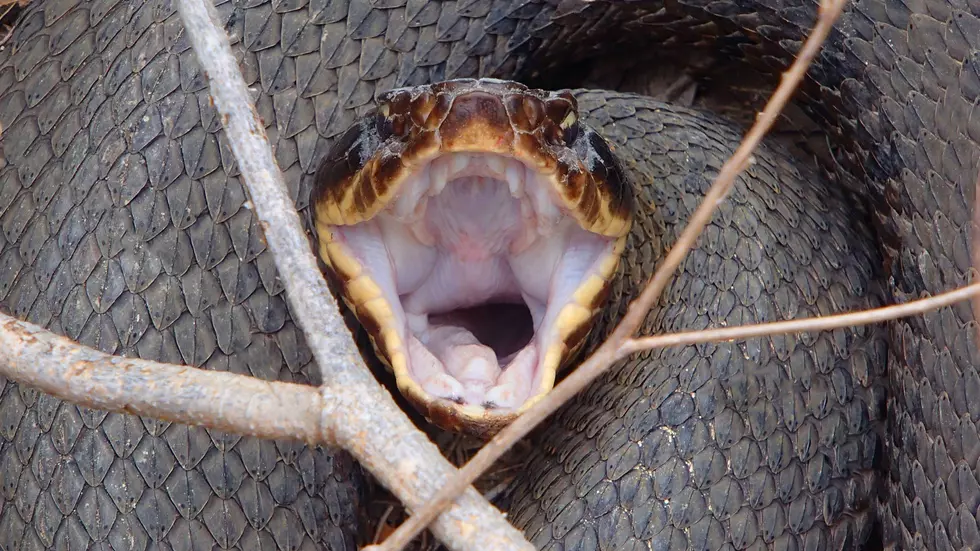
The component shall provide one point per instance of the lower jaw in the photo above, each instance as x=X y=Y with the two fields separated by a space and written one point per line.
x=474 y=419
x=470 y=420
x=485 y=355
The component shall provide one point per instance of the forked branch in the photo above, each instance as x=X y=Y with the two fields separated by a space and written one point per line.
x=362 y=416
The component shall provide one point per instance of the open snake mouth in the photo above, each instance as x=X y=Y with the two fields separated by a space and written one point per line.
x=473 y=226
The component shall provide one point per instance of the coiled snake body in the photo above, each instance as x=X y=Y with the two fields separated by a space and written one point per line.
x=125 y=227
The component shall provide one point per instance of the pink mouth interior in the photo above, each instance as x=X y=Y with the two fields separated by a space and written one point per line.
x=476 y=260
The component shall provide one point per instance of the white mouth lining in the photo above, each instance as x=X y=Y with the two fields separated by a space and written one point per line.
x=550 y=258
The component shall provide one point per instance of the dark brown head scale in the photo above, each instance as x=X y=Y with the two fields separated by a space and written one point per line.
x=526 y=112
x=476 y=121
x=344 y=178
x=345 y=158
x=414 y=106
x=393 y=115
x=489 y=85
x=605 y=169
x=397 y=102
x=562 y=109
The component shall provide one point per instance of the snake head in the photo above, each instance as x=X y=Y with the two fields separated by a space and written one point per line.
x=474 y=227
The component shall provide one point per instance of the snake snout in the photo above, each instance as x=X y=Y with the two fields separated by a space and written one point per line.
x=472 y=265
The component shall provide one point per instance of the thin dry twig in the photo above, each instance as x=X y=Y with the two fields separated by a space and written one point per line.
x=975 y=234
x=224 y=401
x=306 y=290
x=356 y=412
x=607 y=353
x=822 y=323
x=382 y=522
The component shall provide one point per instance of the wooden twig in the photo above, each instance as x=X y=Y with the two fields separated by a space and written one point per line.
x=6 y=11
x=381 y=523
x=607 y=353
x=822 y=323
x=975 y=253
x=309 y=298
x=357 y=412
x=214 y=399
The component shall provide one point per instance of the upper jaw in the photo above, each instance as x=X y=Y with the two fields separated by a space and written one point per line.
x=539 y=210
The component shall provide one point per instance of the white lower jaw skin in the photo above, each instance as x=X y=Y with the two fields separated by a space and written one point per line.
x=465 y=231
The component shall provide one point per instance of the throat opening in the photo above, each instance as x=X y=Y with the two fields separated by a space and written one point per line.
x=505 y=328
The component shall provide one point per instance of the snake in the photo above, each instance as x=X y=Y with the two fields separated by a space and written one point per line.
x=124 y=225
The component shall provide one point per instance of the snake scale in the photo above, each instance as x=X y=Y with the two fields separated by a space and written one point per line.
x=125 y=227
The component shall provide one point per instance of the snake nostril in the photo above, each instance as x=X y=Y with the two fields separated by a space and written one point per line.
x=384 y=124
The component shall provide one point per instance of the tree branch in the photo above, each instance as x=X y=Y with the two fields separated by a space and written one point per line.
x=309 y=298
x=246 y=405
x=362 y=416
x=822 y=323
x=182 y=394
x=607 y=353
x=975 y=253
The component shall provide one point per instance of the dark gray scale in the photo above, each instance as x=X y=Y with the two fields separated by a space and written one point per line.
x=766 y=443
x=125 y=227
x=895 y=91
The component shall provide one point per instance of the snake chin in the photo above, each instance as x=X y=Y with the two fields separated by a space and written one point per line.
x=485 y=284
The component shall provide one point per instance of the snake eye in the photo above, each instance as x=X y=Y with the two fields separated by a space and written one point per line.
x=570 y=119
x=383 y=123
x=563 y=110
x=571 y=129
x=389 y=125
